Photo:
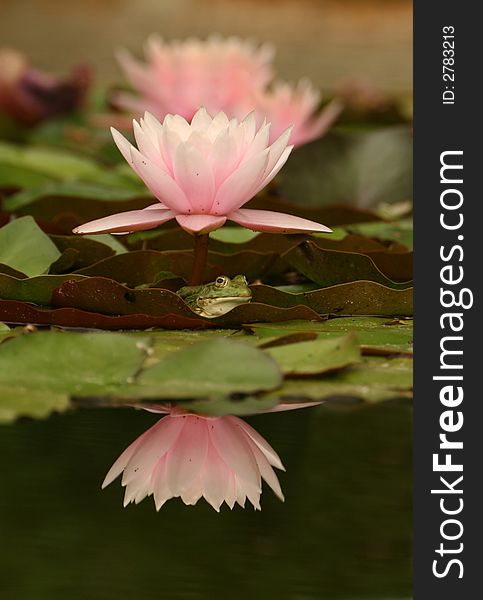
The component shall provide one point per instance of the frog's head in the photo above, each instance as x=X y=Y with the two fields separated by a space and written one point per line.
x=218 y=297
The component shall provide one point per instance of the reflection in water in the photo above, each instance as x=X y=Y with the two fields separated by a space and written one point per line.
x=222 y=459
x=344 y=531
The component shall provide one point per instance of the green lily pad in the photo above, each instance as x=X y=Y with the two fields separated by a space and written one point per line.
x=336 y=391
x=395 y=373
x=214 y=367
x=233 y=235
x=26 y=248
x=76 y=190
x=58 y=164
x=399 y=231
x=375 y=335
x=222 y=405
x=19 y=401
x=32 y=289
x=71 y=363
x=316 y=356
x=12 y=176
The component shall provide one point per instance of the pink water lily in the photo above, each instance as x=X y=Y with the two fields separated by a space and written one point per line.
x=222 y=459
x=202 y=173
x=180 y=76
x=230 y=75
x=285 y=105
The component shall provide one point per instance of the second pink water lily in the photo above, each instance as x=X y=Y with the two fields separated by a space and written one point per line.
x=202 y=173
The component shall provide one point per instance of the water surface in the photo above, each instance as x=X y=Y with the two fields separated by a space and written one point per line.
x=343 y=532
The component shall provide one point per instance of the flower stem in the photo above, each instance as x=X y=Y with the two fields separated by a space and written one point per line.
x=199 y=260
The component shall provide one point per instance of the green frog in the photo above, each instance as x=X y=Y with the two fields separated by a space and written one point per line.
x=218 y=297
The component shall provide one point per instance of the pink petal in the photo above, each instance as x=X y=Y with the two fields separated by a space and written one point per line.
x=131 y=220
x=315 y=128
x=252 y=493
x=147 y=147
x=224 y=157
x=160 y=486
x=160 y=183
x=200 y=223
x=239 y=186
x=259 y=440
x=137 y=74
x=266 y=220
x=120 y=464
x=191 y=495
x=123 y=144
x=156 y=443
x=230 y=497
x=260 y=142
x=156 y=206
x=276 y=151
x=278 y=165
x=194 y=176
x=187 y=455
x=201 y=121
x=234 y=450
x=266 y=471
x=215 y=479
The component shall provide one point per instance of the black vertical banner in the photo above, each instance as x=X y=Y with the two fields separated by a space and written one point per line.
x=448 y=413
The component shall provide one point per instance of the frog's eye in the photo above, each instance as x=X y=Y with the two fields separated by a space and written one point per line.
x=221 y=282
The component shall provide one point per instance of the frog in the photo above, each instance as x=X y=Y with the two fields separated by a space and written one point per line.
x=218 y=297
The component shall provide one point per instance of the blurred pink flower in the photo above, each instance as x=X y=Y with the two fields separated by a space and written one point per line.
x=30 y=96
x=286 y=105
x=229 y=75
x=202 y=174
x=222 y=459
x=181 y=76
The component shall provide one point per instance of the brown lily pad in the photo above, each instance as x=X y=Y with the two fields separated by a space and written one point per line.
x=16 y=312
x=355 y=298
x=331 y=267
x=143 y=266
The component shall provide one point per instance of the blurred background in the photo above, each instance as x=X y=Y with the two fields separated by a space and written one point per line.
x=330 y=41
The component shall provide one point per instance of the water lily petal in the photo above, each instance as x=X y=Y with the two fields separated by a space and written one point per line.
x=147 y=147
x=156 y=206
x=161 y=491
x=125 y=222
x=266 y=220
x=239 y=186
x=266 y=471
x=186 y=457
x=159 y=439
x=259 y=440
x=160 y=183
x=234 y=450
x=120 y=464
x=215 y=479
x=200 y=223
x=194 y=176
x=278 y=165
x=202 y=120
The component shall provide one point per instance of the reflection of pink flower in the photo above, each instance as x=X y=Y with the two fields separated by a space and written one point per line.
x=202 y=174
x=184 y=455
x=30 y=96
x=285 y=105
x=179 y=77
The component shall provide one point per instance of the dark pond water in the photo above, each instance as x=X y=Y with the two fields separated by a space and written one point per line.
x=344 y=531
